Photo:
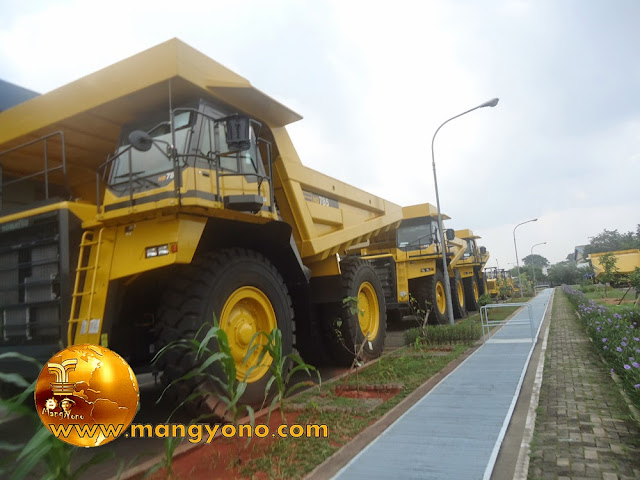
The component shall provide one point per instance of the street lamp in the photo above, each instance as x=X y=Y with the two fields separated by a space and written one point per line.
x=516 y=247
x=447 y=287
x=533 y=267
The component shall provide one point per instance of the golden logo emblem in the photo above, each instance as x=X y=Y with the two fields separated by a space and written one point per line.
x=87 y=395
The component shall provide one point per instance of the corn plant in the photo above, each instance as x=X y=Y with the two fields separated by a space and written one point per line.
x=230 y=390
x=170 y=446
x=358 y=359
x=282 y=368
x=43 y=449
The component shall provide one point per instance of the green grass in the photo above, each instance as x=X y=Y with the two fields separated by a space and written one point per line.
x=596 y=292
x=465 y=331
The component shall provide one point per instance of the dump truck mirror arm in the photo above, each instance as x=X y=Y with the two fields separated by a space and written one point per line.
x=142 y=141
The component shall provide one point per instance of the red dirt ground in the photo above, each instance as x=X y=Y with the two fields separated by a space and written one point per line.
x=224 y=457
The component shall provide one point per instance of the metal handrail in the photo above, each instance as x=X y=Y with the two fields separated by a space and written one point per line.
x=46 y=170
x=173 y=155
x=486 y=323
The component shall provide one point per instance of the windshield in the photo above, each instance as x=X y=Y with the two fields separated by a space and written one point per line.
x=155 y=160
x=247 y=162
x=417 y=233
x=471 y=249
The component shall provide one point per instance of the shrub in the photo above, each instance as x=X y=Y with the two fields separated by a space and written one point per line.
x=615 y=332
x=485 y=299
x=465 y=333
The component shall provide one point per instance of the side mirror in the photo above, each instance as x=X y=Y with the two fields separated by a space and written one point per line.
x=238 y=133
x=483 y=250
x=140 y=140
x=451 y=234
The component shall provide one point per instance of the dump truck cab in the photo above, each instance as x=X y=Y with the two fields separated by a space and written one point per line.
x=200 y=155
x=409 y=260
x=471 y=267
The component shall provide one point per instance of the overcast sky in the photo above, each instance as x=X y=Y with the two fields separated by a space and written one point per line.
x=374 y=80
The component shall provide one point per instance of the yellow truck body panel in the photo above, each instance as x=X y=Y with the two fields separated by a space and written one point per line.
x=627 y=261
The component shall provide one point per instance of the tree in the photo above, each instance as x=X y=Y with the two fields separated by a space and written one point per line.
x=611 y=240
x=537 y=260
x=608 y=263
x=564 y=272
x=539 y=275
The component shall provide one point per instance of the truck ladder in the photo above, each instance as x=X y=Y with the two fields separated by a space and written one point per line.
x=90 y=289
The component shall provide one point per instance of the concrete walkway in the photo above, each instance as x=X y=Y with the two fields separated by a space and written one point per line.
x=455 y=431
x=583 y=427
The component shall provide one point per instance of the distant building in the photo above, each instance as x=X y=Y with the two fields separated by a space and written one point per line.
x=11 y=95
x=578 y=254
x=581 y=259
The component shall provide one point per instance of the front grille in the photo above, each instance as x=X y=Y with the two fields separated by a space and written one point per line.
x=34 y=278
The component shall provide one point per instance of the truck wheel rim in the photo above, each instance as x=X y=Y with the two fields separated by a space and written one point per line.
x=460 y=294
x=368 y=311
x=246 y=312
x=476 y=294
x=441 y=300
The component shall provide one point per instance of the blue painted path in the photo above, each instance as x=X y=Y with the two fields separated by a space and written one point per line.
x=455 y=431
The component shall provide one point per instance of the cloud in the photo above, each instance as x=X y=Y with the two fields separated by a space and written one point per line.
x=374 y=80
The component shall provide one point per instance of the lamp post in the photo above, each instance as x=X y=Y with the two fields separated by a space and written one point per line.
x=447 y=287
x=533 y=267
x=516 y=248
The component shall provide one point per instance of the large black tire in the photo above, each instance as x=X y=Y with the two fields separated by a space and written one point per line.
x=430 y=291
x=394 y=317
x=348 y=323
x=481 y=281
x=310 y=337
x=457 y=295
x=471 y=292
x=244 y=283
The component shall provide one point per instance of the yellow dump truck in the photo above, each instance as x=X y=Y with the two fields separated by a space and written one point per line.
x=626 y=262
x=471 y=267
x=408 y=260
x=492 y=281
x=499 y=283
x=143 y=200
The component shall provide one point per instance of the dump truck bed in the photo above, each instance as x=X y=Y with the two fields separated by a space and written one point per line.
x=627 y=261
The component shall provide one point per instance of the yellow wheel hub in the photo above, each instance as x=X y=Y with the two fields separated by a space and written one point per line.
x=368 y=311
x=246 y=312
x=476 y=295
x=441 y=300
x=460 y=294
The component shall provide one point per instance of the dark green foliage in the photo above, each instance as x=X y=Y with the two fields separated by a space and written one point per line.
x=485 y=299
x=43 y=452
x=611 y=240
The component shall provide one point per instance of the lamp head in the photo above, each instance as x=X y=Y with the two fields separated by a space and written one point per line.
x=491 y=103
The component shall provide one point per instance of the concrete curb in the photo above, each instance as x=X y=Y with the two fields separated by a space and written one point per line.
x=522 y=464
